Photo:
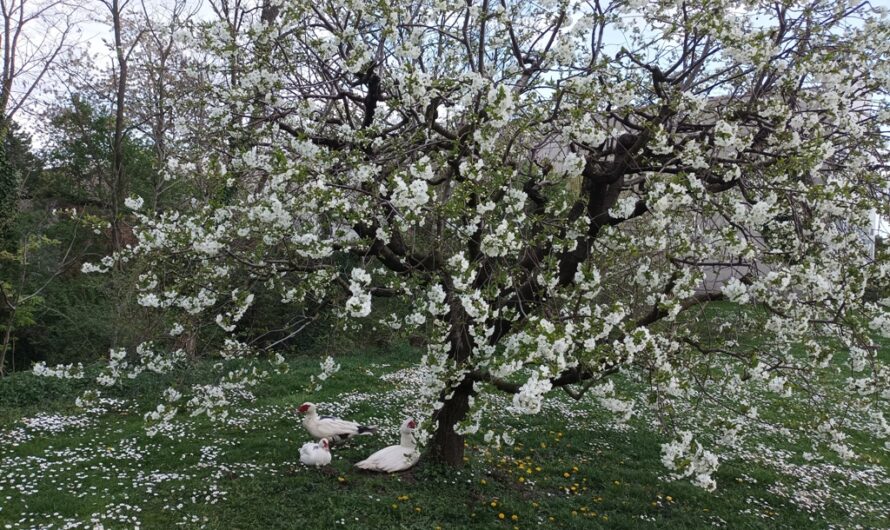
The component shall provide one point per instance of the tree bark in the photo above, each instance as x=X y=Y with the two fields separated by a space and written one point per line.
x=447 y=446
x=7 y=336
x=118 y=192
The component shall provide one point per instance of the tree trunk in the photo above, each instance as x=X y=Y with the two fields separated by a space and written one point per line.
x=7 y=336
x=119 y=187
x=447 y=446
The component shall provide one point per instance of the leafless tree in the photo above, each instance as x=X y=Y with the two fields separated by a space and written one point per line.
x=163 y=83
x=35 y=33
x=122 y=52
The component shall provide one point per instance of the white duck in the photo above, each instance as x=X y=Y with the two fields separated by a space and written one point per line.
x=334 y=429
x=316 y=454
x=395 y=457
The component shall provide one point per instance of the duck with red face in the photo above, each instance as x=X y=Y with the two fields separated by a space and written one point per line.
x=334 y=429
x=395 y=457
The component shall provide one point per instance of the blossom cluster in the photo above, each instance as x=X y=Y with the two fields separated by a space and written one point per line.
x=61 y=371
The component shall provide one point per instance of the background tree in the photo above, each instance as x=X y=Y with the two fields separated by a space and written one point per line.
x=87 y=149
x=35 y=32
x=34 y=264
x=121 y=69
x=163 y=83
x=80 y=155
x=37 y=251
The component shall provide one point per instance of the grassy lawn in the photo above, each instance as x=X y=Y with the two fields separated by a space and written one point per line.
x=61 y=467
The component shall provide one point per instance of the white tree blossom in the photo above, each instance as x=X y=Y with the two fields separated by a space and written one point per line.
x=554 y=211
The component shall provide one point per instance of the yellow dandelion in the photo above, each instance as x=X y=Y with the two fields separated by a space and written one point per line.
x=514 y=517
x=483 y=482
x=501 y=515
x=494 y=504
x=566 y=474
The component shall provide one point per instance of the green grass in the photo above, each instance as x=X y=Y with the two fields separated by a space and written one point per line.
x=568 y=469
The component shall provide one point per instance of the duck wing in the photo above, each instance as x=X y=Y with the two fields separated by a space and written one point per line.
x=390 y=459
x=330 y=426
